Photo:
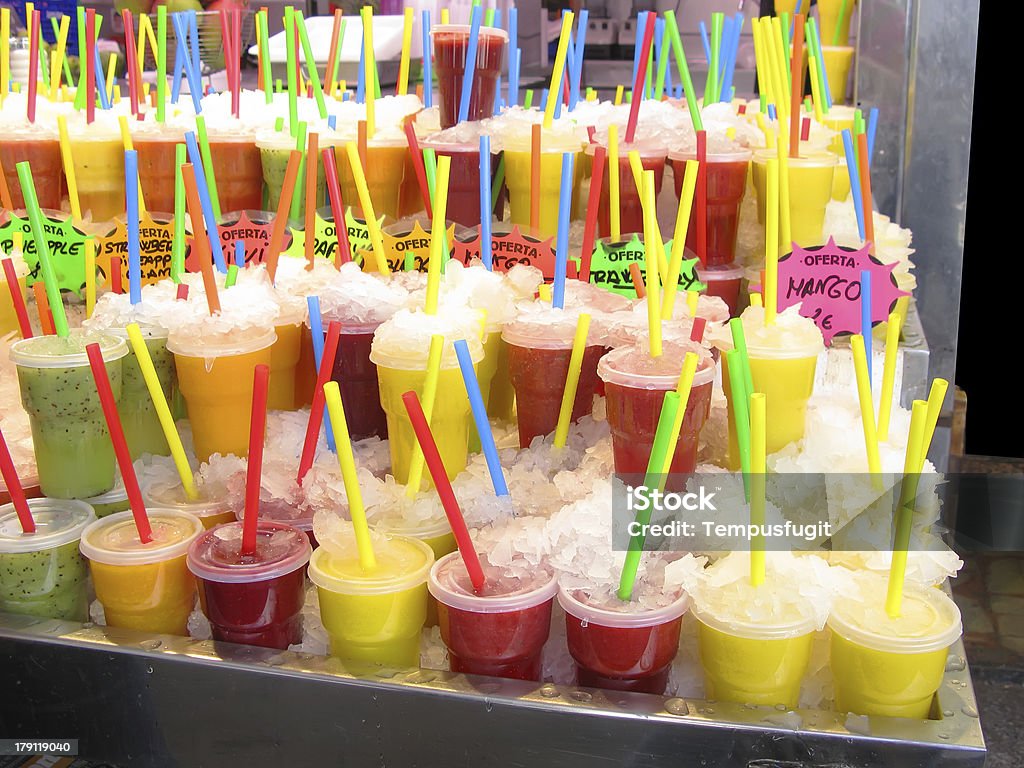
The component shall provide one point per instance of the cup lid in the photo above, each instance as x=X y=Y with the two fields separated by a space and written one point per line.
x=402 y=563
x=449 y=583
x=716 y=272
x=215 y=555
x=114 y=540
x=69 y=352
x=578 y=603
x=739 y=155
x=281 y=511
x=172 y=496
x=632 y=366
x=221 y=345
x=449 y=28
x=929 y=620
x=58 y=521
x=808 y=158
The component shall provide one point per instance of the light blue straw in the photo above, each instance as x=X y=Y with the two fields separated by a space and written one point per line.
x=865 y=317
x=562 y=249
x=428 y=77
x=212 y=227
x=851 y=167
x=131 y=182
x=316 y=329
x=485 y=202
x=483 y=426
x=467 y=75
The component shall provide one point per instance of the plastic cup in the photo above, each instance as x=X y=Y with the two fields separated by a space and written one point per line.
x=840 y=117
x=723 y=281
x=357 y=379
x=384 y=169
x=464 y=181
x=42 y=573
x=375 y=616
x=8 y=317
x=631 y=212
x=751 y=283
x=215 y=376
x=113 y=501
x=211 y=512
x=275 y=151
x=841 y=181
x=727 y=183
x=305 y=370
x=281 y=511
x=252 y=599
x=629 y=649
x=451 y=42
x=141 y=425
x=891 y=667
x=517 y=179
x=239 y=172
x=143 y=586
x=284 y=357
x=42 y=152
x=635 y=387
x=828 y=15
x=501 y=395
x=156 y=157
x=74 y=455
x=500 y=631
x=538 y=364
x=810 y=190
x=99 y=173
x=753 y=662
x=838 y=60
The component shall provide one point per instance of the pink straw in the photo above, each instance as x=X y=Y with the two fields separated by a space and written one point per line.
x=593 y=202
x=641 y=76
x=432 y=457
x=697 y=331
x=90 y=65
x=344 y=252
x=134 y=73
x=316 y=410
x=182 y=293
x=14 y=489
x=254 y=467
x=33 y=65
x=124 y=456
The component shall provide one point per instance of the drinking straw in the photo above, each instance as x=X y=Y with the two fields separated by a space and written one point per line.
x=298 y=194
x=634 y=107
x=428 y=77
x=126 y=142
x=316 y=412
x=483 y=426
x=675 y=263
x=579 y=346
x=376 y=239
x=701 y=219
x=758 y=483
x=692 y=298
x=638 y=279
x=131 y=60
x=736 y=30
x=593 y=202
x=785 y=211
x=711 y=84
x=264 y=73
x=35 y=216
x=43 y=308
x=291 y=58
x=514 y=56
x=343 y=254
x=865 y=190
x=872 y=130
x=556 y=74
x=17 y=300
x=892 y=340
x=444 y=489
x=662 y=436
x=683 y=387
x=254 y=464
x=740 y=410
x=614 y=214
x=638 y=34
x=131 y=180
x=865 y=315
x=528 y=99
x=851 y=167
x=814 y=39
x=62 y=41
x=206 y=201
x=771 y=255
x=697 y=329
x=577 y=57
x=281 y=219
x=858 y=122
x=706 y=42
x=905 y=510
x=161 y=63
x=200 y=240
x=636 y=167
x=316 y=329
x=412 y=486
x=936 y=396
x=124 y=457
x=368 y=68
x=739 y=341
x=115 y=275
x=337 y=36
x=33 y=64
x=314 y=75
x=312 y=161
x=402 y=86
x=417 y=164
x=14 y=488
x=5 y=52
x=347 y=463
x=535 y=137
x=651 y=261
x=796 y=86
x=178 y=246
x=867 y=408
x=839 y=22
x=562 y=244
x=496 y=186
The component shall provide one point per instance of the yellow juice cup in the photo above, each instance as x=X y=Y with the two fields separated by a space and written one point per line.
x=384 y=169
x=210 y=511
x=99 y=172
x=284 y=357
x=840 y=117
x=143 y=586
x=810 y=189
x=436 y=534
x=374 y=616
x=8 y=318
x=838 y=60
x=886 y=666
x=517 y=179
x=829 y=18
x=841 y=181
x=215 y=377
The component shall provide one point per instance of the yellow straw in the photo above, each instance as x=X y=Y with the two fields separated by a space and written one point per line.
x=867 y=408
x=556 y=75
x=445 y=16
x=771 y=71
x=692 y=297
x=758 y=470
x=764 y=82
x=403 y=67
x=651 y=261
x=769 y=135
x=785 y=227
x=437 y=233
x=544 y=292
x=347 y=462
x=69 y=166
x=771 y=242
x=111 y=71
x=683 y=387
x=147 y=25
x=126 y=140
x=619 y=90
x=156 y=393
x=756 y=300
x=412 y=485
x=369 y=70
x=5 y=50
x=908 y=491
x=679 y=237
x=935 y=398
x=376 y=238
x=636 y=166
x=57 y=57
x=90 y=276
x=781 y=67
x=579 y=346
x=117 y=94
x=892 y=344
x=613 y=182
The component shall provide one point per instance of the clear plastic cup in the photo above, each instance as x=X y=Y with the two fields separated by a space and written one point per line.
x=810 y=190
x=723 y=281
x=39 y=147
x=631 y=214
x=499 y=632
x=384 y=170
x=518 y=163
x=625 y=649
x=143 y=586
x=43 y=573
x=141 y=425
x=436 y=534
x=99 y=172
x=253 y=599
x=281 y=511
x=210 y=511
x=29 y=486
x=451 y=44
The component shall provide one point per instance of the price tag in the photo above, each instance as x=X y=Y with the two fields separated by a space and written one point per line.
x=609 y=266
x=66 y=245
x=511 y=248
x=415 y=244
x=255 y=235
x=156 y=239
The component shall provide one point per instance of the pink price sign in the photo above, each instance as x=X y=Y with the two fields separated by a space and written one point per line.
x=826 y=282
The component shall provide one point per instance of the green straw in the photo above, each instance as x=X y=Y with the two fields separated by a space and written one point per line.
x=858 y=122
x=839 y=23
x=430 y=163
x=659 y=84
x=44 y=64
x=161 y=63
x=807 y=103
x=35 y=216
x=232 y=276
x=298 y=194
x=499 y=179
x=488 y=17
x=740 y=413
x=819 y=69
x=279 y=87
x=629 y=96
x=82 y=48
x=672 y=28
x=314 y=75
x=333 y=79
x=784 y=18
x=666 y=421
x=178 y=246
x=279 y=124
x=739 y=341
x=528 y=99
x=649 y=74
x=711 y=85
x=204 y=152
x=293 y=85
x=268 y=85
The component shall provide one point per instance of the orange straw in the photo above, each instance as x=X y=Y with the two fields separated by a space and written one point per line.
x=638 y=279
x=200 y=239
x=797 y=74
x=312 y=163
x=535 y=179
x=281 y=220
x=5 y=192
x=43 y=306
x=865 y=189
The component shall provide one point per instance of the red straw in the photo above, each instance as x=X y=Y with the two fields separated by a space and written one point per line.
x=591 y=130
x=236 y=92
x=638 y=279
x=116 y=278
x=697 y=331
x=283 y=206
x=641 y=76
x=33 y=65
x=742 y=110
x=444 y=489
x=316 y=410
x=535 y=179
x=312 y=163
x=90 y=65
x=254 y=466
x=134 y=73
x=417 y=164
x=182 y=292
x=17 y=300
x=200 y=239
x=865 y=188
x=593 y=202
x=124 y=456
x=701 y=219
x=43 y=307
x=343 y=254
x=805 y=129
x=14 y=489
x=797 y=74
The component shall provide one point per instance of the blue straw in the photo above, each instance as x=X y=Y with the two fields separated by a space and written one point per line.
x=514 y=56
x=824 y=71
x=723 y=53
x=771 y=111
x=543 y=100
x=240 y=254
x=865 y=316
x=212 y=227
x=179 y=65
x=851 y=167
x=197 y=64
x=483 y=426
x=730 y=66
x=562 y=248
x=131 y=182
x=316 y=329
x=194 y=85
x=467 y=75
x=428 y=77
x=641 y=22
x=872 y=130
x=361 y=81
x=485 y=202
x=332 y=122
x=498 y=101
x=577 y=58
x=101 y=82
x=679 y=91
x=707 y=43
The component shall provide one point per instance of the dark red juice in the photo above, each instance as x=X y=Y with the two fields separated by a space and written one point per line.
x=631 y=212
x=727 y=183
x=506 y=644
x=360 y=392
x=723 y=281
x=450 y=52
